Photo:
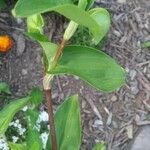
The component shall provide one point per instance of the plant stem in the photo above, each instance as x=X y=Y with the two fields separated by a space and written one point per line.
x=59 y=52
x=51 y=119
x=47 y=90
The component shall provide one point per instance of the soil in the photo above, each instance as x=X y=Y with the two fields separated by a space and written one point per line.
x=112 y=117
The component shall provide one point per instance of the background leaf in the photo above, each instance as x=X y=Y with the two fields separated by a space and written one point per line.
x=32 y=116
x=36 y=96
x=91 y=65
x=4 y=88
x=15 y=146
x=2 y=4
x=90 y=3
x=8 y=112
x=68 y=125
x=99 y=146
x=33 y=139
x=145 y=44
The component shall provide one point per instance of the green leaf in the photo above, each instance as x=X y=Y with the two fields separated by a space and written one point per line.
x=91 y=65
x=8 y=112
x=35 y=24
x=68 y=125
x=37 y=7
x=68 y=10
x=37 y=36
x=145 y=44
x=99 y=146
x=82 y=4
x=4 y=88
x=32 y=116
x=36 y=96
x=14 y=146
x=48 y=48
x=34 y=141
x=90 y=3
x=2 y=4
x=102 y=17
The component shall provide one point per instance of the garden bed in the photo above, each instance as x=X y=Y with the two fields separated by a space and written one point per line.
x=118 y=115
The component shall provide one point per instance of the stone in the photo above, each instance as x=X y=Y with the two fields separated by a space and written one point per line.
x=141 y=141
x=20 y=45
x=24 y=72
x=114 y=98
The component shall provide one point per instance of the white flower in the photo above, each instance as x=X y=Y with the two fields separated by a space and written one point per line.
x=22 y=131
x=25 y=108
x=18 y=126
x=44 y=137
x=15 y=139
x=37 y=127
x=43 y=117
x=3 y=145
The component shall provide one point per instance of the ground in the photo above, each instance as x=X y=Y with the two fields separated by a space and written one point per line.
x=116 y=117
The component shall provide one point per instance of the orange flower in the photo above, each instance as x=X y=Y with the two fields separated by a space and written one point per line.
x=6 y=43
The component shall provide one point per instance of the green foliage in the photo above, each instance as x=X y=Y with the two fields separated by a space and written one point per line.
x=2 y=4
x=83 y=37
x=102 y=17
x=8 y=112
x=99 y=146
x=145 y=44
x=15 y=146
x=33 y=139
x=4 y=88
x=90 y=3
x=31 y=116
x=36 y=96
x=67 y=123
x=89 y=19
x=35 y=24
x=91 y=65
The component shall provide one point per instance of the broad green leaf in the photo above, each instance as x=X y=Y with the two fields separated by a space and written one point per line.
x=4 y=88
x=48 y=48
x=36 y=96
x=37 y=7
x=99 y=146
x=8 y=112
x=2 y=4
x=91 y=65
x=14 y=146
x=35 y=24
x=102 y=17
x=70 y=11
x=68 y=125
x=34 y=141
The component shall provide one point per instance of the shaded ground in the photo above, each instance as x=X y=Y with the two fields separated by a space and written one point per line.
x=119 y=115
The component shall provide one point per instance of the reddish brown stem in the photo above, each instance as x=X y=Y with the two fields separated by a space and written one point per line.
x=59 y=52
x=51 y=119
x=49 y=101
